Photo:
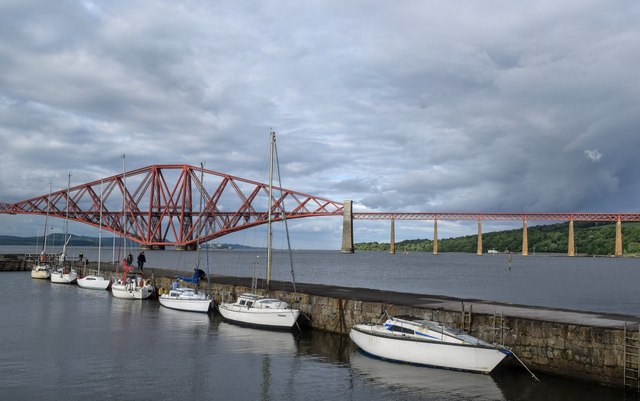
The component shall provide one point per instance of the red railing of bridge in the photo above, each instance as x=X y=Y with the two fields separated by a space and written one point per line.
x=161 y=205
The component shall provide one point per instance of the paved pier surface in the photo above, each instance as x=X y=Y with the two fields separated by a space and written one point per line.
x=449 y=303
x=396 y=298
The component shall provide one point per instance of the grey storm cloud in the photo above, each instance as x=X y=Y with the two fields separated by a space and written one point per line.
x=416 y=106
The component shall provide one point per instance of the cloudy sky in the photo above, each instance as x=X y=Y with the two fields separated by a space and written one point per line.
x=400 y=106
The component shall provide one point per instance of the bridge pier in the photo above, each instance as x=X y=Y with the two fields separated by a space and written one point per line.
x=392 y=240
x=618 y=237
x=525 y=240
x=347 y=227
x=435 y=236
x=572 y=247
x=479 y=250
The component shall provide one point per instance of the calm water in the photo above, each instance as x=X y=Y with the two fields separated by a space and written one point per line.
x=601 y=284
x=62 y=342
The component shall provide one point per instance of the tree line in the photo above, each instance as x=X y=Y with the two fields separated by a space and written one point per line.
x=591 y=238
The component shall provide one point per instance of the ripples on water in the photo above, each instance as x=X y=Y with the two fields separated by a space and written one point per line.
x=62 y=342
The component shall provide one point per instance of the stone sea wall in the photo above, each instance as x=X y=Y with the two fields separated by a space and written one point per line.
x=594 y=354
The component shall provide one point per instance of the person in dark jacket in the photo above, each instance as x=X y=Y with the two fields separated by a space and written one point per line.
x=141 y=260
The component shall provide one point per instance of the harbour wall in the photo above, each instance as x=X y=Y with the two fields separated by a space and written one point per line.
x=593 y=353
x=578 y=345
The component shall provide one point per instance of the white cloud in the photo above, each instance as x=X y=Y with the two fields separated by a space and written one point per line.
x=593 y=154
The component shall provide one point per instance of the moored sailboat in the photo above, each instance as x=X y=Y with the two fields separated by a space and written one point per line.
x=186 y=298
x=96 y=281
x=257 y=310
x=41 y=268
x=131 y=285
x=427 y=343
x=64 y=272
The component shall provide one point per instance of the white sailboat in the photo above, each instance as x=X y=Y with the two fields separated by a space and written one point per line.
x=131 y=285
x=41 y=268
x=424 y=342
x=96 y=281
x=255 y=310
x=64 y=273
x=186 y=298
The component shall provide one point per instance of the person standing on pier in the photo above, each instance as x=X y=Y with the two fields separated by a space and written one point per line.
x=141 y=260
x=129 y=259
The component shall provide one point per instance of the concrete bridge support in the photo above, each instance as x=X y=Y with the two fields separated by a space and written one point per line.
x=392 y=240
x=525 y=240
x=435 y=237
x=618 y=237
x=479 y=250
x=571 y=251
x=347 y=227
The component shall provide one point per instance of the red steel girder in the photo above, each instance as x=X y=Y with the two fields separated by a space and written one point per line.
x=490 y=216
x=161 y=205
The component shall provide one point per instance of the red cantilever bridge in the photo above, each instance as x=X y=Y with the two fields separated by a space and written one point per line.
x=159 y=205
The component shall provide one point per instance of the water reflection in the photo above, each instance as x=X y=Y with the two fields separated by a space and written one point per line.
x=431 y=383
x=64 y=342
x=248 y=340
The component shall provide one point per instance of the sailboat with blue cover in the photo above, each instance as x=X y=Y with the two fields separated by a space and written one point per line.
x=187 y=298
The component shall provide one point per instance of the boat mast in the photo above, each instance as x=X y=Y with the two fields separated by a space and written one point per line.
x=202 y=194
x=46 y=221
x=200 y=216
x=100 y=229
x=63 y=257
x=123 y=238
x=272 y=142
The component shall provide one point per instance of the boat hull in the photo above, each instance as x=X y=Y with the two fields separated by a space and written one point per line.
x=40 y=274
x=94 y=282
x=64 y=278
x=407 y=349
x=256 y=317
x=127 y=291
x=189 y=305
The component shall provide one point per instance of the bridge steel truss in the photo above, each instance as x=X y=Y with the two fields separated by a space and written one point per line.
x=161 y=205
x=618 y=218
x=484 y=216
